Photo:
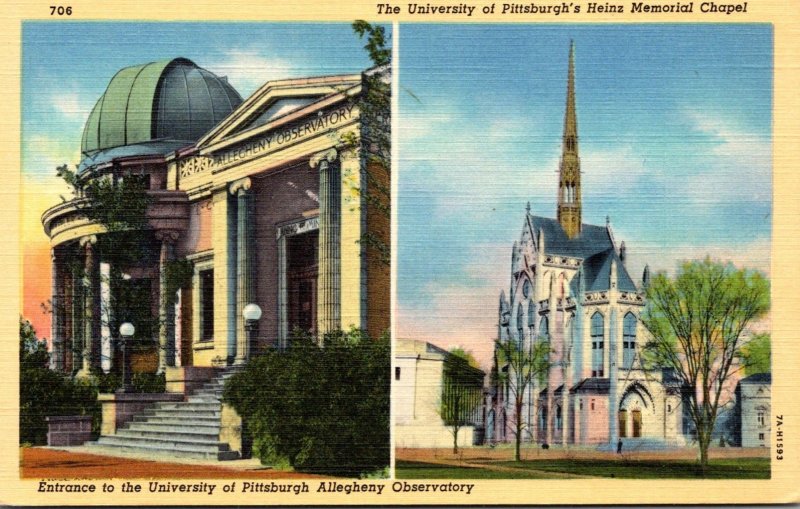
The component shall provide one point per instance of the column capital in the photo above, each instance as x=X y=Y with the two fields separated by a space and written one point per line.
x=88 y=240
x=327 y=155
x=168 y=236
x=243 y=184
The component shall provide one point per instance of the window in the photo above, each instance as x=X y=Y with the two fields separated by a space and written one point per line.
x=544 y=331
x=761 y=419
x=761 y=436
x=206 y=305
x=520 y=330
x=598 y=340
x=397 y=373
x=628 y=340
x=592 y=404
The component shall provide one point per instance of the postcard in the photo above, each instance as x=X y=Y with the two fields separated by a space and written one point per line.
x=400 y=253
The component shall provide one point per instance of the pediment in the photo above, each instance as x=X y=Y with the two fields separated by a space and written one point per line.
x=276 y=103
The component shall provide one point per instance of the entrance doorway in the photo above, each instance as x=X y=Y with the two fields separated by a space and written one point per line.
x=637 y=423
x=301 y=278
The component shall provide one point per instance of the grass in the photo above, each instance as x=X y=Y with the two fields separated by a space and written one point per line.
x=738 y=468
x=420 y=470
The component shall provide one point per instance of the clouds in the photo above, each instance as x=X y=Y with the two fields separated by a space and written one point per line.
x=249 y=68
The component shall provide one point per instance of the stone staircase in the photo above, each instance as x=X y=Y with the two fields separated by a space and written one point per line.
x=186 y=429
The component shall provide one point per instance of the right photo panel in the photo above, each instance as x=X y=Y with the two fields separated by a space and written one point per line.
x=584 y=217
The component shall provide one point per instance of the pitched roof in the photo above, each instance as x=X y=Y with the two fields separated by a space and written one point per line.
x=759 y=378
x=593 y=244
x=598 y=385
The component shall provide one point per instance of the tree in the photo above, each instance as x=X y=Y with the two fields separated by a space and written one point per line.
x=696 y=323
x=462 y=392
x=755 y=355
x=519 y=368
x=374 y=105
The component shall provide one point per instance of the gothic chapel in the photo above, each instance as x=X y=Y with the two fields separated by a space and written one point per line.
x=570 y=286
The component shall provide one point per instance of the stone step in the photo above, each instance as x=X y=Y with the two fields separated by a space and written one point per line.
x=177 y=426
x=151 y=450
x=190 y=445
x=188 y=405
x=176 y=421
x=182 y=413
x=186 y=434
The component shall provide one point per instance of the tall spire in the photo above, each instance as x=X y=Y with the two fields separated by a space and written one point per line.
x=569 y=178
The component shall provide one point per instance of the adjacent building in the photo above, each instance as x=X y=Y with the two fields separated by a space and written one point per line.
x=432 y=391
x=570 y=287
x=752 y=412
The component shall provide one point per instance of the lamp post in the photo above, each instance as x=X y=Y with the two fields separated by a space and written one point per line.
x=126 y=331
x=251 y=314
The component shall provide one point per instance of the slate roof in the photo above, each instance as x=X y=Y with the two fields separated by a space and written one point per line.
x=759 y=378
x=598 y=385
x=593 y=245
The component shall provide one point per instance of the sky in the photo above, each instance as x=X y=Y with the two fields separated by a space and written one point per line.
x=67 y=66
x=674 y=125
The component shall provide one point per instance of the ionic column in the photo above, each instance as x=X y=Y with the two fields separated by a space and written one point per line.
x=245 y=288
x=90 y=281
x=328 y=257
x=166 y=312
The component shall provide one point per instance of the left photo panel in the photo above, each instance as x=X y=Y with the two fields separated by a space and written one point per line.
x=206 y=250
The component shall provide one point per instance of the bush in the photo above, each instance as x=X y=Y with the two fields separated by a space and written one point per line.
x=43 y=392
x=319 y=409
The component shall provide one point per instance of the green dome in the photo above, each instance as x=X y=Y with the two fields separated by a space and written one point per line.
x=170 y=102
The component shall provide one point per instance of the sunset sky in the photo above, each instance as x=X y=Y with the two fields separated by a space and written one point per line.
x=674 y=124
x=67 y=66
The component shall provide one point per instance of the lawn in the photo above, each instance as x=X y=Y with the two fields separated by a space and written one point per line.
x=734 y=468
x=729 y=468
x=420 y=470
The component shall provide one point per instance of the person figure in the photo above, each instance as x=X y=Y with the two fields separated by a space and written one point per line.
x=619 y=446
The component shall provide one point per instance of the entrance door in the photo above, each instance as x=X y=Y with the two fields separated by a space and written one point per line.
x=302 y=271
x=623 y=423
x=637 y=423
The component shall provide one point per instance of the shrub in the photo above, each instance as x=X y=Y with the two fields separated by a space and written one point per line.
x=43 y=392
x=319 y=409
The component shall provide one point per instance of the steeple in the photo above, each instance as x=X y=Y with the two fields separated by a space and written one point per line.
x=569 y=178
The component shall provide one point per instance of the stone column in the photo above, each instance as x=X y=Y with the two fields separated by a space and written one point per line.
x=245 y=287
x=166 y=312
x=57 y=303
x=76 y=318
x=328 y=318
x=90 y=277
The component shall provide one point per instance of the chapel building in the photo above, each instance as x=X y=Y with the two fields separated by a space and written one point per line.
x=570 y=287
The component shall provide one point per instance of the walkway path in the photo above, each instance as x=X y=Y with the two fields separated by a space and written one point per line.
x=74 y=463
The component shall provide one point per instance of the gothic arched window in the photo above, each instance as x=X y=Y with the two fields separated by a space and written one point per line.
x=531 y=315
x=628 y=340
x=544 y=330
x=598 y=340
x=520 y=330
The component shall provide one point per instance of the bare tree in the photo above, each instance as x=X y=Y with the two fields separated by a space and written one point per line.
x=519 y=367
x=697 y=322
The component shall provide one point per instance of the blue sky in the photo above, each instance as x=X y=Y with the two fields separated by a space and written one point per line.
x=67 y=66
x=675 y=141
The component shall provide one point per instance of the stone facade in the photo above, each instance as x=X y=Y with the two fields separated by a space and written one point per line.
x=753 y=411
